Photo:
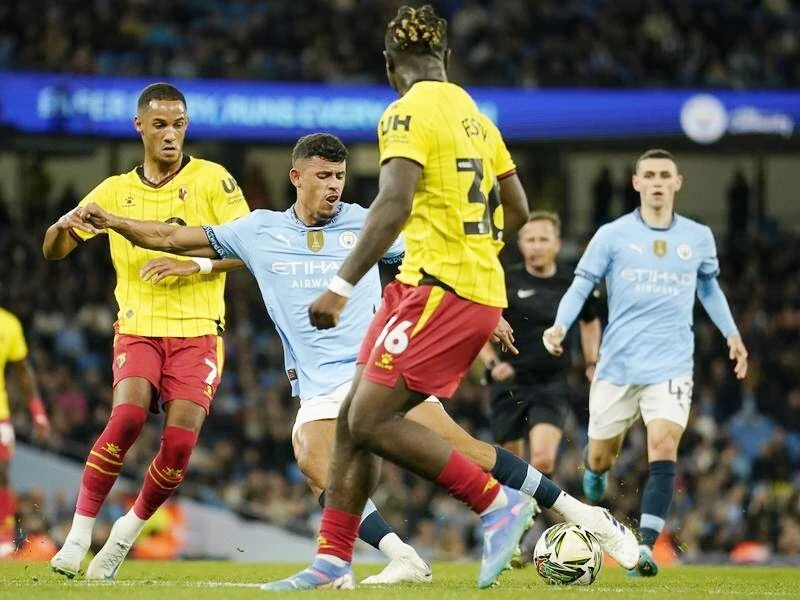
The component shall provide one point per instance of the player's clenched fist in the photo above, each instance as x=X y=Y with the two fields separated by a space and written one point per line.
x=96 y=216
x=552 y=339
x=325 y=310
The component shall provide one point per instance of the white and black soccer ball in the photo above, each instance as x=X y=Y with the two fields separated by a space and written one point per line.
x=568 y=554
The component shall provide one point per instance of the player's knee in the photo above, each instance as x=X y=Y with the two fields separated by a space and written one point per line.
x=664 y=447
x=362 y=431
x=544 y=461
x=600 y=462
x=313 y=465
x=128 y=421
x=179 y=445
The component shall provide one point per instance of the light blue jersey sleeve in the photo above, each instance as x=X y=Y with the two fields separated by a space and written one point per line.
x=716 y=305
x=595 y=260
x=234 y=239
x=573 y=301
x=395 y=252
x=709 y=266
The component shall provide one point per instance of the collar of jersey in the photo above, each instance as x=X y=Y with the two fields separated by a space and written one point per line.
x=637 y=213
x=296 y=220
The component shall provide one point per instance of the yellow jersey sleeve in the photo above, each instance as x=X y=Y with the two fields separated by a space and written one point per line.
x=226 y=199
x=402 y=133
x=17 y=348
x=503 y=163
x=100 y=196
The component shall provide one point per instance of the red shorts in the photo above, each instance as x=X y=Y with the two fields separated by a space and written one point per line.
x=178 y=368
x=426 y=335
x=6 y=440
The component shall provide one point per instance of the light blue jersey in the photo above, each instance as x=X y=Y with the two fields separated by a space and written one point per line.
x=651 y=277
x=293 y=264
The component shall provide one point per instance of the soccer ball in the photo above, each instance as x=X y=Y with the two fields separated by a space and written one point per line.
x=567 y=553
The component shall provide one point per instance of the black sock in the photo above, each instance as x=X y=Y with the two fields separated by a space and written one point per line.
x=509 y=469
x=656 y=499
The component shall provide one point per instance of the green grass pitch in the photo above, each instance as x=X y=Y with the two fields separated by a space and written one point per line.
x=200 y=579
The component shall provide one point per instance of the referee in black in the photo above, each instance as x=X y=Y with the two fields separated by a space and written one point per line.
x=530 y=396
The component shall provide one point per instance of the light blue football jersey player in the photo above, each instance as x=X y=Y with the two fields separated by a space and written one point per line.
x=652 y=276
x=293 y=263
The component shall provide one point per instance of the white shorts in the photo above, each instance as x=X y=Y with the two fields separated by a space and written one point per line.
x=326 y=406
x=613 y=408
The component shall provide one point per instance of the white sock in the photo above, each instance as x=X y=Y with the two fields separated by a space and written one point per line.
x=129 y=526
x=392 y=546
x=81 y=530
x=334 y=560
x=499 y=502
x=572 y=510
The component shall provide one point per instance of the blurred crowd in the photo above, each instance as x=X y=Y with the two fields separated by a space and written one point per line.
x=739 y=471
x=650 y=43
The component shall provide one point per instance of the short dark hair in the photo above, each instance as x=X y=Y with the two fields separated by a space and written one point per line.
x=654 y=153
x=324 y=145
x=417 y=31
x=546 y=215
x=159 y=91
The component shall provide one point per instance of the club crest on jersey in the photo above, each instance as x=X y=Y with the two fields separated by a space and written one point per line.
x=182 y=192
x=684 y=252
x=347 y=239
x=660 y=248
x=315 y=240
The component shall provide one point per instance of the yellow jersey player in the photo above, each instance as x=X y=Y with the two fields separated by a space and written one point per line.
x=438 y=183
x=14 y=352
x=167 y=346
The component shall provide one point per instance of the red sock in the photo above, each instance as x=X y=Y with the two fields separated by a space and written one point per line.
x=105 y=458
x=338 y=533
x=7 y=510
x=466 y=481
x=167 y=470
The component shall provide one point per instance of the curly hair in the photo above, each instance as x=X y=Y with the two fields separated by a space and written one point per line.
x=324 y=145
x=417 y=31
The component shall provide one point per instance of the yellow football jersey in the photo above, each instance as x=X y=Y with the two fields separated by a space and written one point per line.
x=12 y=349
x=200 y=193
x=452 y=232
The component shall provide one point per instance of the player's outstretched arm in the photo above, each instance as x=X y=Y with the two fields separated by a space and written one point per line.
x=58 y=240
x=387 y=215
x=153 y=235
x=159 y=268
x=515 y=205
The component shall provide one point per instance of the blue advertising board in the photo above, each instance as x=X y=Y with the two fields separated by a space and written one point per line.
x=280 y=112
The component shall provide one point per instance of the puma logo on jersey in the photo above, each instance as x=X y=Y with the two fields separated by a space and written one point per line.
x=284 y=239
x=636 y=248
x=522 y=294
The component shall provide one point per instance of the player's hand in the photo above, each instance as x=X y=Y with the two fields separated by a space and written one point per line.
x=504 y=335
x=159 y=268
x=552 y=339
x=95 y=216
x=41 y=427
x=738 y=353
x=502 y=371
x=324 y=311
x=72 y=220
